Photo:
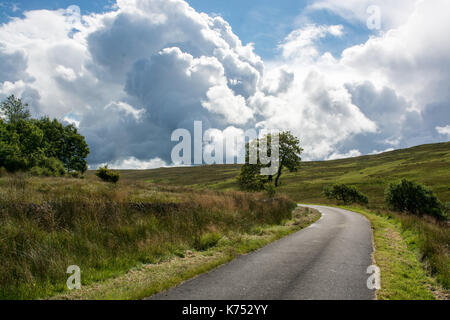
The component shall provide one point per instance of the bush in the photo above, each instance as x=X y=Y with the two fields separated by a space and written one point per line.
x=48 y=167
x=250 y=178
x=75 y=174
x=53 y=166
x=347 y=194
x=2 y=172
x=36 y=171
x=414 y=198
x=447 y=209
x=108 y=175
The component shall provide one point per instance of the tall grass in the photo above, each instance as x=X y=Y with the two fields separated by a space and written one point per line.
x=429 y=237
x=432 y=239
x=47 y=224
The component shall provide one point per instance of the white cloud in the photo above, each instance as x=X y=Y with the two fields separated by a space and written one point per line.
x=300 y=43
x=398 y=80
x=378 y=152
x=231 y=140
x=411 y=59
x=127 y=109
x=445 y=131
x=351 y=154
x=316 y=110
x=222 y=100
x=73 y=121
x=133 y=163
x=135 y=74
x=66 y=73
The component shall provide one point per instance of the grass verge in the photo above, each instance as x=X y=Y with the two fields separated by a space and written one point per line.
x=148 y=279
x=398 y=254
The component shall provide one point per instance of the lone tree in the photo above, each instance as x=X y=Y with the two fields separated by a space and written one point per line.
x=250 y=177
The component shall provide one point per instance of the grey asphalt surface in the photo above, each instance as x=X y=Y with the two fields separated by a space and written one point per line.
x=328 y=260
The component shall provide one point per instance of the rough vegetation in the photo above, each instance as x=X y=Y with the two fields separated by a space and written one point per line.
x=426 y=164
x=146 y=279
x=372 y=175
x=47 y=224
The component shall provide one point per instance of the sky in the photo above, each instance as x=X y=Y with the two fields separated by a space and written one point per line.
x=347 y=77
x=262 y=22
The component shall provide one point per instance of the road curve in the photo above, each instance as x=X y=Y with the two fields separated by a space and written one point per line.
x=328 y=260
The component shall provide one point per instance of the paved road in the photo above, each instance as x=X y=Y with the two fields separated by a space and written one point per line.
x=327 y=260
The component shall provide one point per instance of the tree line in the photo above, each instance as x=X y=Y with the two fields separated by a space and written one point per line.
x=42 y=146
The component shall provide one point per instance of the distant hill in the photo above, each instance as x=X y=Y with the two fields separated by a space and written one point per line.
x=428 y=164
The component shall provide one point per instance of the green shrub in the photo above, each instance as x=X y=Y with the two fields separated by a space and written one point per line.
x=52 y=167
x=347 y=194
x=2 y=171
x=447 y=209
x=414 y=198
x=36 y=171
x=108 y=175
x=48 y=167
x=250 y=178
x=75 y=174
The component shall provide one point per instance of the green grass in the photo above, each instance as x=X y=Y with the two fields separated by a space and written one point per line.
x=427 y=164
x=427 y=240
x=48 y=224
x=154 y=217
x=402 y=274
x=149 y=279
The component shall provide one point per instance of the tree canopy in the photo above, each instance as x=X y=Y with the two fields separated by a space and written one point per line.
x=27 y=143
x=250 y=177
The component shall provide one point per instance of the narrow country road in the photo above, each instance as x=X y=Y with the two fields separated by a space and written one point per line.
x=327 y=260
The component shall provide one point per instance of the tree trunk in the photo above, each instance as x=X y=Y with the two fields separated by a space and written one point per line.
x=278 y=175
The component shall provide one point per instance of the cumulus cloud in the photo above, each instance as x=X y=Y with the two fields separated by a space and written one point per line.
x=129 y=77
x=300 y=43
x=134 y=163
x=222 y=100
x=398 y=80
x=13 y=64
x=445 y=131
x=133 y=75
x=412 y=59
x=127 y=109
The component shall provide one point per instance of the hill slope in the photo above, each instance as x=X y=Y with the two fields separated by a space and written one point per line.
x=428 y=164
